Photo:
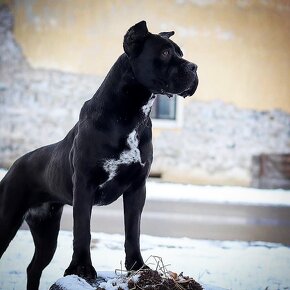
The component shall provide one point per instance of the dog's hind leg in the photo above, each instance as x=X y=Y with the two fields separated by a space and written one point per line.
x=44 y=223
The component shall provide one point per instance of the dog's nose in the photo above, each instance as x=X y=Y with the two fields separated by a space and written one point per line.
x=192 y=67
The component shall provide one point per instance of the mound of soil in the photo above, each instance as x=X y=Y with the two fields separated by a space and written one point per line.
x=152 y=280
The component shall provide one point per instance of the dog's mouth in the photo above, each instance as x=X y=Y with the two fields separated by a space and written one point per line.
x=185 y=93
x=191 y=90
x=169 y=95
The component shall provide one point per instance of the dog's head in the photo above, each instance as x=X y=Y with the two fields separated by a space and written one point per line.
x=157 y=62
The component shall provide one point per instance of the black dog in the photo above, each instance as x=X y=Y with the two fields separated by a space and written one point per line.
x=107 y=154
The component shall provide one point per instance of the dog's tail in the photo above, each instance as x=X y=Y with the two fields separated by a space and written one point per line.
x=12 y=208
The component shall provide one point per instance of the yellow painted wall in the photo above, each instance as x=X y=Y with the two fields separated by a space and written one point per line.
x=241 y=47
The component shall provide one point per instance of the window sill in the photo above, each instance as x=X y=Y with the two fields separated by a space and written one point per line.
x=163 y=123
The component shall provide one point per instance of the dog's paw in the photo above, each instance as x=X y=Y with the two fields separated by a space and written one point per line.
x=135 y=265
x=87 y=272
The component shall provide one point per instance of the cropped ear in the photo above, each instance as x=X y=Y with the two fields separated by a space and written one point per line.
x=177 y=48
x=135 y=38
x=166 y=34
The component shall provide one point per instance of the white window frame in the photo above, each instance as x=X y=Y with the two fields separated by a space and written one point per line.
x=176 y=123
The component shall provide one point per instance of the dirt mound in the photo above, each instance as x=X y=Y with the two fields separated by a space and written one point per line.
x=151 y=280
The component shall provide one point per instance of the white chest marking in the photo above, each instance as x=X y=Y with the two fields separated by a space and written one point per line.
x=126 y=157
x=147 y=108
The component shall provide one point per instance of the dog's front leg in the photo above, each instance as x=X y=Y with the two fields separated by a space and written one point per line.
x=133 y=201
x=81 y=263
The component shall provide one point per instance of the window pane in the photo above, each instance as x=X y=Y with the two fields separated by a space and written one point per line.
x=164 y=108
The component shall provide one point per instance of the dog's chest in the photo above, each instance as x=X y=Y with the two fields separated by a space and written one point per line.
x=130 y=165
x=129 y=156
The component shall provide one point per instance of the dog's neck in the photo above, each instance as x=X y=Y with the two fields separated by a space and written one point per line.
x=121 y=96
x=123 y=84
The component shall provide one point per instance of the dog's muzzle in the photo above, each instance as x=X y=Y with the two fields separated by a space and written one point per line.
x=191 y=90
x=188 y=80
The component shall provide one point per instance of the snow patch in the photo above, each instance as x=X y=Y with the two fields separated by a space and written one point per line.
x=115 y=284
x=73 y=282
x=217 y=194
x=253 y=265
x=106 y=275
x=135 y=278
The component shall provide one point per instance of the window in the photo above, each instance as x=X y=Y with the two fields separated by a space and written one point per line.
x=164 y=108
x=166 y=111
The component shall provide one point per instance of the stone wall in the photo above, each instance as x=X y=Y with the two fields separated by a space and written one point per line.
x=37 y=107
x=214 y=146
x=217 y=142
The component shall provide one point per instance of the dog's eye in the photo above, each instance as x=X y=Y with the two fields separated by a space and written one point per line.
x=165 y=53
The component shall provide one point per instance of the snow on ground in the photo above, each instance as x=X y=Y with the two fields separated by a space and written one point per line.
x=231 y=265
x=217 y=194
x=74 y=282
